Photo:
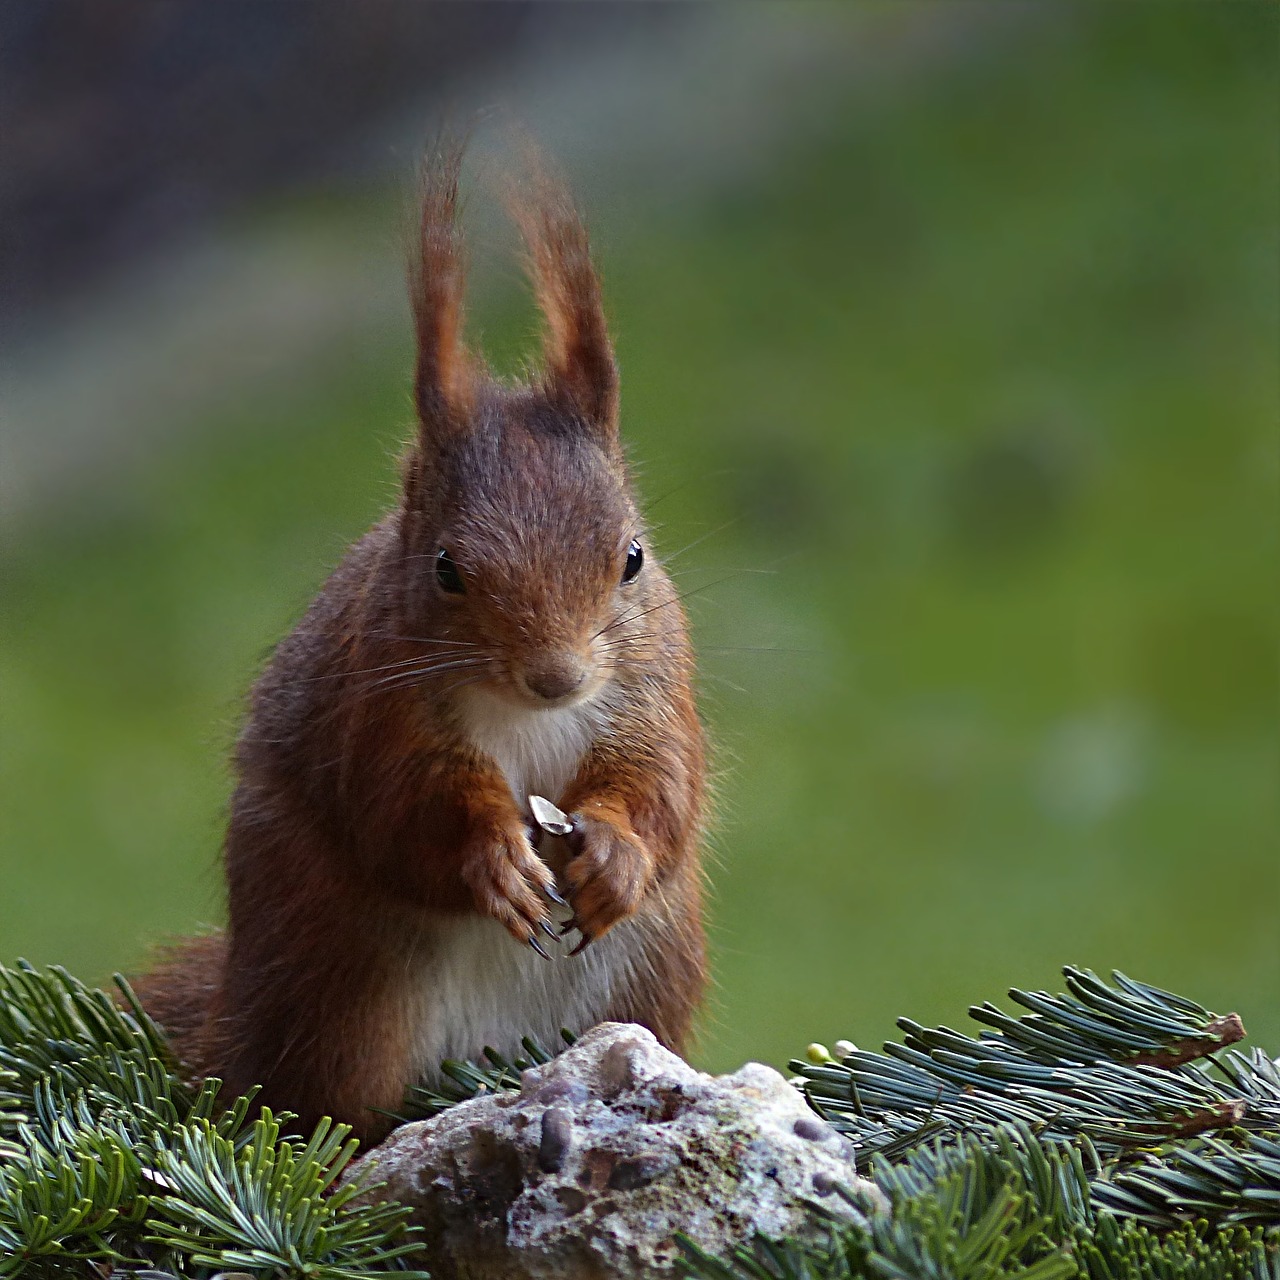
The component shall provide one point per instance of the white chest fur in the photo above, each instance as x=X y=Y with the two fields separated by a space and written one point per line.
x=538 y=751
x=480 y=988
x=477 y=986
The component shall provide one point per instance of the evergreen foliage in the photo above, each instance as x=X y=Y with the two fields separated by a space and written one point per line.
x=108 y=1157
x=1111 y=1133
x=1108 y=1134
x=465 y=1080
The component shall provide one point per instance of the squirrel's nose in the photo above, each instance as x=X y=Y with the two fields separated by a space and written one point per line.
x=555 y=675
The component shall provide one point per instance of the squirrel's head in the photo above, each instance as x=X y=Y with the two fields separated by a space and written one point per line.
x=522 y=556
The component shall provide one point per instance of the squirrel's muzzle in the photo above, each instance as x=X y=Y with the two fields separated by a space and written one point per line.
x=554 y=676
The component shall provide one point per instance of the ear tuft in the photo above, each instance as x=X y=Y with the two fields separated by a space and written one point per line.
x=580 y=373
x=444 y=380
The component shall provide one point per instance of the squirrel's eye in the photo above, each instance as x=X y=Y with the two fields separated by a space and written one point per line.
x=635 y=558
x=447 y=574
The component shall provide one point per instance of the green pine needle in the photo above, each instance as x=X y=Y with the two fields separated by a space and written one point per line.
x=108 y=1157
x=464 y=1080
x=271 y=1205
x=1110 y=1133
x=1101 y=1136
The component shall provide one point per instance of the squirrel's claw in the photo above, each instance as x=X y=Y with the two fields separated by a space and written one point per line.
x=538 y=947
x=583 y=942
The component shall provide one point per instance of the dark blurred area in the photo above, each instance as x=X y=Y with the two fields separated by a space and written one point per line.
x=128 y=125
x=950 y=338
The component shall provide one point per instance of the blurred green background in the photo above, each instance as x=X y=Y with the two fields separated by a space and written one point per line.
x=962 y=390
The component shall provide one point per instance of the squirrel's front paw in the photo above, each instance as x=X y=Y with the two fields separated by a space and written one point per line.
x=510 y=883
x=607 y=875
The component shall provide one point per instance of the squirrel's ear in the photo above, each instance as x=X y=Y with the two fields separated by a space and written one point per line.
x=444 y=379
x=580 y=374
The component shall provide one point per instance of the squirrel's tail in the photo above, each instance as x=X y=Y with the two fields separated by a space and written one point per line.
x=178 y=991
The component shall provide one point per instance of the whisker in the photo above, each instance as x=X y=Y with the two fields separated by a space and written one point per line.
x=700 y=478
x=387 y=666
x=455 y=685
x=666 y=604
x=717 y=678
x=706 y=568
x=629 y=637
x=418 y=674
x=461 y=644
x=697 y=542
x=620 y=642
x=763 y=648
x=667 y=493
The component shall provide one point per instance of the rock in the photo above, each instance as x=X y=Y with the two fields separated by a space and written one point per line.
x=605 y=1153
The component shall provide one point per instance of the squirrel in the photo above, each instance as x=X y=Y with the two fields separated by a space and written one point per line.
x=504 y=631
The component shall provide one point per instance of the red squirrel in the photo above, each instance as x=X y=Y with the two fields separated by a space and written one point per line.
x=504 y=631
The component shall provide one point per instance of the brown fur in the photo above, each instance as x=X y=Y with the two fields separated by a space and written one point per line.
x=363 y=815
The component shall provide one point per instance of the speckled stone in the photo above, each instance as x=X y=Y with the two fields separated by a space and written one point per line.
x=604 y=1154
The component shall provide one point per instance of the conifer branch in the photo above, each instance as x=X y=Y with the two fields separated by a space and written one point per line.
x=1110 y=1133
x=1096 y=1138
x=464 y=1080
x=1085 y=1064
x=109 y=1158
